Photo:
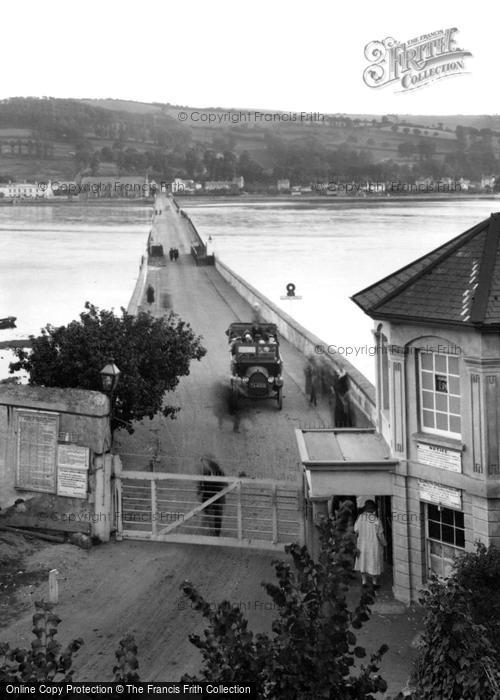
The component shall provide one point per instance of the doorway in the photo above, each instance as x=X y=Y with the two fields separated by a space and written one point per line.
x=384 y=509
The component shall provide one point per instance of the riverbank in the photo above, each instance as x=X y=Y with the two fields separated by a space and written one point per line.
x=308 y=199
x=73 y=201
x=376 y=199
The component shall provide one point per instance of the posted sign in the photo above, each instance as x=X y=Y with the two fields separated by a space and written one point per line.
x=72 y=470
x=440 y=457
x=439 y=494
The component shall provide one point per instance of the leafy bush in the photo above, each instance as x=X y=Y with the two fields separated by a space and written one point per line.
x=127 y=663
x=457 y=659
x=479 y=572
x=313 y=649
x=44 y=661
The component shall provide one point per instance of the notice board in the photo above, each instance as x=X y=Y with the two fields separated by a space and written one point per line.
x=36 y=450
x=72 y=470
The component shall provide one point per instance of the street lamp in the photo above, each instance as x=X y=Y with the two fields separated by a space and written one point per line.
x=110 y=375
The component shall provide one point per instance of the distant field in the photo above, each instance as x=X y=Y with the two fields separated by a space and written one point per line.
x=125 y=106
x=38 y=169
x=13 y=133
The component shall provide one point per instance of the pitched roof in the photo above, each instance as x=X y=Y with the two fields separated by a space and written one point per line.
x=457 y=283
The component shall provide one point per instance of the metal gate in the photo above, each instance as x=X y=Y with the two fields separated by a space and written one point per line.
x=257 y=513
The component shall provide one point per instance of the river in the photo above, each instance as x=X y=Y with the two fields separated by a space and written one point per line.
x=54 y=258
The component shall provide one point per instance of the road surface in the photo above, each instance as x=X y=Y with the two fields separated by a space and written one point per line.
x=261 y=440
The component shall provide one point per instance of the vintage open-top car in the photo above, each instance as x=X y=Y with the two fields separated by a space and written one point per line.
x=256 y=365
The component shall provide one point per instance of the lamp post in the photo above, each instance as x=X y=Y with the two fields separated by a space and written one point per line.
x=110 y=376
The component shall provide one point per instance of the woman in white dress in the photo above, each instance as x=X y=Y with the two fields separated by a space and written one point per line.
x=371 y=543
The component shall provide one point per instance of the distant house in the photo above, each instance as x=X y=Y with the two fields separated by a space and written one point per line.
x=65 y=188
x=234 y=185
x=180 y=186
x=488 y=182
x=373 y=187
x=26 y=190
x=114 y=187
x=425 y=183
x=283 y=185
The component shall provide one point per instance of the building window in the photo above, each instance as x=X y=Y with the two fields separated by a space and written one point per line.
x=445 y=538
x=440 y=394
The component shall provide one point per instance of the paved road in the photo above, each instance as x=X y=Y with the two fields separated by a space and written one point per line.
x=261 y=441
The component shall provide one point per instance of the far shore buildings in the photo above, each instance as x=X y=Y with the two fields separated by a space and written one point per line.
x=26 y=190
x=234 y=185
x=437 y=411
x=114 y=187
x=180 y=186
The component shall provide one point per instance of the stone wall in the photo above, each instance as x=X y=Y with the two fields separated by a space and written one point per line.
x=82 y=420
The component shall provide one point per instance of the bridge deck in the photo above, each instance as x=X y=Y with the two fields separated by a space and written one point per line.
x=260 y=441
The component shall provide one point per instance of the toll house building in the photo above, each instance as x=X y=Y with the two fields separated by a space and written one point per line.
x=433 y=459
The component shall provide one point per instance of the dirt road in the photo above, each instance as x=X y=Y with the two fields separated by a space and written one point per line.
x=133 y=587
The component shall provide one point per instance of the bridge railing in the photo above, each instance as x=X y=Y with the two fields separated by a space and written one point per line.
x=199 y=255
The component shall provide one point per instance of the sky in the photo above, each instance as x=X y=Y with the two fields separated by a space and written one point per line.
x=264 y=54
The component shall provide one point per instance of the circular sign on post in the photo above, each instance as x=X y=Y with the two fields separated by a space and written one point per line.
x=290 y=292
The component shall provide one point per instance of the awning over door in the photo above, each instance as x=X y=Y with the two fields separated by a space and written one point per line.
x=345 y=461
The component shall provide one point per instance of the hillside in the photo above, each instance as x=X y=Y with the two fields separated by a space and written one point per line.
x=58 y=138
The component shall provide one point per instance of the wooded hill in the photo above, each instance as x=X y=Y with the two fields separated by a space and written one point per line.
x=42 y=138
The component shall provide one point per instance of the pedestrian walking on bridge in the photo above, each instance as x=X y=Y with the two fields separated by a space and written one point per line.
x=208 y=489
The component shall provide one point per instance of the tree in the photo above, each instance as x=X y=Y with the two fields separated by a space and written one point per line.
x=152 y=353
x=425 y=149
x=313 y=648
x=406 y=149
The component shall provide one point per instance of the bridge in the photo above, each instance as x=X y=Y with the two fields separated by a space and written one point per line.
x=256 y=447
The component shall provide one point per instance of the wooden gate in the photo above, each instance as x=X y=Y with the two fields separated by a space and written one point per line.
x=258 y=513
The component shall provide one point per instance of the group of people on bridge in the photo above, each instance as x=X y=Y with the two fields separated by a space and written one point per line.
x=173 y=254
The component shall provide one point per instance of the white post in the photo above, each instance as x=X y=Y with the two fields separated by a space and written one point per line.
x=275 y=512
x=117 y=501
x=153 y=509
x=239 y=514
x=53 y=586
